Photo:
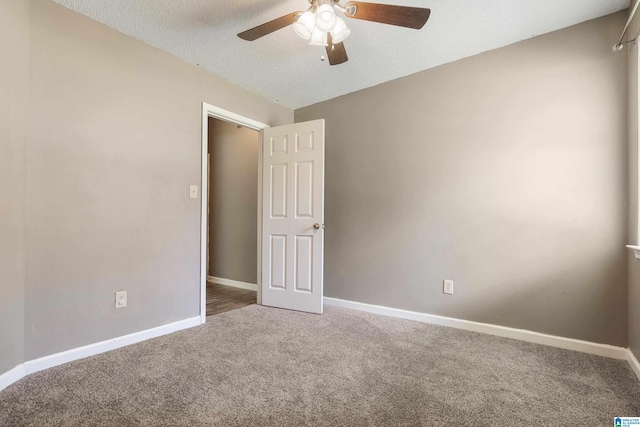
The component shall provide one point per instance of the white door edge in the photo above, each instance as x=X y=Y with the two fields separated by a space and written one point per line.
x=209 y=110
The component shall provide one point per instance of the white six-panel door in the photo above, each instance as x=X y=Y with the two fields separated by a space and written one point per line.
x=293 y=216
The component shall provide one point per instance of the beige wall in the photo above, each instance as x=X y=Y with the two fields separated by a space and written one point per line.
x=505 y=172
x=634 y=264
x=114 y=143
x=233 y=202
x=14 y=79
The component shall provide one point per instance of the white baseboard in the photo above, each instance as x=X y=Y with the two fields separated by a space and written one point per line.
x=486 y=328
x=610 y=351
x=233 y=283
x=112 y=344
x=47 y=362
x=633 y=362
x=11 y=376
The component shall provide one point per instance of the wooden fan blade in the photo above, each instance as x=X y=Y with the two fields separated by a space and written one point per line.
x=269 y=27
x=402 y=16
x=336 y=52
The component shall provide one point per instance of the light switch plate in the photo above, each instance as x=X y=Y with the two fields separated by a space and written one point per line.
x=193 y=192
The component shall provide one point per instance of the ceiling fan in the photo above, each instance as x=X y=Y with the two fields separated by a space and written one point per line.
x=323 y=27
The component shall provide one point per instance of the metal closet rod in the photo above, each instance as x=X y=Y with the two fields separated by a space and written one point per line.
x=618 y=46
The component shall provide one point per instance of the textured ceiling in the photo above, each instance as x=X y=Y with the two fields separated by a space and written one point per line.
x=284 y=68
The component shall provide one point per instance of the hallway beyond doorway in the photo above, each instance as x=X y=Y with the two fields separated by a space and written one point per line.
x=221 y=298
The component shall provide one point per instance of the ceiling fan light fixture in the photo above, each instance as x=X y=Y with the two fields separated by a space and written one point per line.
x=325 y=18
x=318 y=38
x=340 y=31
x=322 y=25
x=304 y=25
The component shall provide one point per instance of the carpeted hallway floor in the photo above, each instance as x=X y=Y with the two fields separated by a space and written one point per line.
x=258 y=366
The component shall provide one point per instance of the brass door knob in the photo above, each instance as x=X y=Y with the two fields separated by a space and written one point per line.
x=316 y=226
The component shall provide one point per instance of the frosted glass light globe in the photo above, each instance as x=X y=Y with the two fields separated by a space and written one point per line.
x=340 y=31
x=304 y=25
x=325 y=18
x=318 y=38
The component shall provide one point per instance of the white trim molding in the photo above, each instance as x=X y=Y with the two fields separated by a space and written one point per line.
x=635 y=249
x=12 y=376
x=57 y=359
x=233 y=283
x=633 y=362
x=486 y=328
x=230 y=116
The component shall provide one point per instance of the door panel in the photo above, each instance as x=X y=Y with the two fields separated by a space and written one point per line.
x=304 y=190
x=304 y=264
x=278 y=261
x=304 y=141
x=293 y=201
x=278 y=191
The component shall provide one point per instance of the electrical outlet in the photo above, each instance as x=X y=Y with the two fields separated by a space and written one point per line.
x=448 y=287
x=121 y=299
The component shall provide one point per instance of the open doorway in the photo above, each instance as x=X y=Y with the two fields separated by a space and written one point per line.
x=299 y=148
x=232 y=231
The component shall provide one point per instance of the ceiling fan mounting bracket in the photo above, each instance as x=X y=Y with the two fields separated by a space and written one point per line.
x=350 y=10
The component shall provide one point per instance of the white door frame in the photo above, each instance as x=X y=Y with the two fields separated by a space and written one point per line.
x=209 y=110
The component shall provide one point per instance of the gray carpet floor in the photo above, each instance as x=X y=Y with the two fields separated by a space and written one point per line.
x=258 y=366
